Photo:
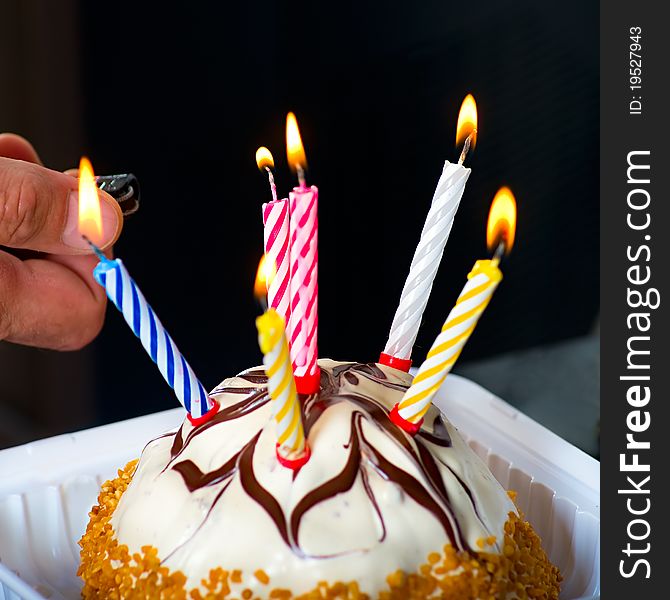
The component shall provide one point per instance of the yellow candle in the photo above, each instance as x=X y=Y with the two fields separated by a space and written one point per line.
x=461 y=322
x=291 y=444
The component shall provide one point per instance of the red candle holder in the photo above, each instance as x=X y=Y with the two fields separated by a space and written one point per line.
x=207 y=416
x=402 y=364
x=296 y=463
x=309 y=383
x=404 y=424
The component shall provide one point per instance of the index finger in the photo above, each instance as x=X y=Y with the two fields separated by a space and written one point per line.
x=19 y=148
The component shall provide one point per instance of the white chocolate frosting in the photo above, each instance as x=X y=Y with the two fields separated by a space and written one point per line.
x=370 y=500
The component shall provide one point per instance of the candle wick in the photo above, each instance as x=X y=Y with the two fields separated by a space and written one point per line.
x=273 y=187
x=301 y=176
x=466 y=147
x=95 y=249
x=498 y=254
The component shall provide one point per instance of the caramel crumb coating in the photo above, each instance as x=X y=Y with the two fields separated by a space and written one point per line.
x=109 y=571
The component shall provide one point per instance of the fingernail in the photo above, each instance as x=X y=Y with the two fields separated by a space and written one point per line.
x=111 y=222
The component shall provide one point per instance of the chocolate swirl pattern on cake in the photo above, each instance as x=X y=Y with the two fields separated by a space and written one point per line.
x=367 y=488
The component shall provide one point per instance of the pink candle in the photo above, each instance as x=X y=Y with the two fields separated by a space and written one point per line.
x=276 y=235
x=276 y=240
x=303 y=321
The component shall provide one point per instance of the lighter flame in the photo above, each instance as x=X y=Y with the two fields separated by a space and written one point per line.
x=90 y=218
x=264 y=158
x=294 y=148
x=467 y=121
x=501 y=226
x=264 y=275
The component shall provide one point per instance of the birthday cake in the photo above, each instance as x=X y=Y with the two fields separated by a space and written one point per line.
x=208 y=511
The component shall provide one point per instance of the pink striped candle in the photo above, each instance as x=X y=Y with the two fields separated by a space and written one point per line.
x=276 y=235
x=304 y=287
x=276 y=241
x=303 y=250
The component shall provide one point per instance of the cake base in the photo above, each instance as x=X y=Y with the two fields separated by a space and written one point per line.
x=109 y=571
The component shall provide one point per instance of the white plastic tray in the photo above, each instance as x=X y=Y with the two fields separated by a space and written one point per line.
x=48 y=487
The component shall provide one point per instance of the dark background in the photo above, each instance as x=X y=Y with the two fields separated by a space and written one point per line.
x=182 y=96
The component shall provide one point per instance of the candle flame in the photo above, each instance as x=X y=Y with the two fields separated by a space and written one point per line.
x=294 y=147
x=264 y=158
x=264 y=275
x=501 y=226
x=90 y=218
x=467 y=122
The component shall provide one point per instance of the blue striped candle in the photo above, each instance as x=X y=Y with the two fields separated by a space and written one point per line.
x=127 y=297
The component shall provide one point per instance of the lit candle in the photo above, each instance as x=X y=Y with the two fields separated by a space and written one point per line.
x=482 y=282
x=303 y=322
x=265 y=161
x=428 y=254
x=292 y=450
x=276 y=240
x=264 y=274
x=127 y=297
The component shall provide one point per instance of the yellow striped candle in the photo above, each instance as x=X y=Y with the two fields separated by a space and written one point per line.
x=482 y=282
x=292 y=450
x=473 y=300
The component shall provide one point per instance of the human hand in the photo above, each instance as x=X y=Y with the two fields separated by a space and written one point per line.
x=48 y=297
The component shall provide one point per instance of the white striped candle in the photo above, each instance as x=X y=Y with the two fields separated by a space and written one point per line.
x=425 y=263
x=127 y=297
x=428 y=254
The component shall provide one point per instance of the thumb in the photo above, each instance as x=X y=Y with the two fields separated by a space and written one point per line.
x=39 y=210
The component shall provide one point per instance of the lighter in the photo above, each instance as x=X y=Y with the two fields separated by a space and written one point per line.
x=125 y=189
